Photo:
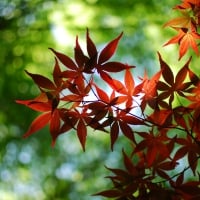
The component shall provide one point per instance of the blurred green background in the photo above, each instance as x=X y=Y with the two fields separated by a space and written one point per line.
x=30 y=168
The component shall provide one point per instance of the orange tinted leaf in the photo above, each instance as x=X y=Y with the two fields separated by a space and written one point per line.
x=177 y=38
x=189 y=40
x=38 y=123
x=38 y=106
x=159 y=117
x=109 y=50
x=129 y=82
x=118 y=86
x=40 y=103
x=102 y=94
x=180 y=22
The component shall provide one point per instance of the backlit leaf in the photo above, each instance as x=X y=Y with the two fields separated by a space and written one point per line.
x=91 y=48
x=114 y=132
x=109 y=50
x=65 y=60
x=82 y=133
x=38 y=123
x=102 y=94
x=55 y=126
x=42 y=81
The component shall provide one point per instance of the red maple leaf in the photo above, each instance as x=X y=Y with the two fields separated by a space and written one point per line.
x=186 y=38
x=50 y=114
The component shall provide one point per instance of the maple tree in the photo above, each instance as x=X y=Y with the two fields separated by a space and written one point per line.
x=159 y=115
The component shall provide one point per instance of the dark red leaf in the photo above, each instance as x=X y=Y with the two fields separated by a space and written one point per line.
x=179 y=180
x=69 y=74
x=192 y=159
x=91 y=48
x=114 y=132
x=38 y=123
x=181 y=153
x=42 y=81
x=55 y=126
x=129 y=165
x=109 y=50
x=82 y=133
x=162 y=173
x=57 y=74
x=40 y=103
x=162 y=86
x=113 y=67
x=166 y=71
x=109 y=193
x=127 y=131
x=80 y=58
x=65 y=60
x=72 y=98
x=97 y=105
x=191 y=188
x=152 y=153
x=131 y=120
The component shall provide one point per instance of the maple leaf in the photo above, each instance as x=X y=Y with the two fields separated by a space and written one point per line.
x=109 y=50
x=149 y=90
x=190 y=148
x=188 y=4
x=155 y=146
x=180 y=22
x=161 y=117
x=65 y=60
x=42 y=82
x=172 y=84
x=50 y=115
x=195 y=97
x=186 y=190
x=185 y=39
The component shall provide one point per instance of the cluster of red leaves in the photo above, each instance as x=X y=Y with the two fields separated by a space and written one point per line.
x=160 y=116
x=187 y=27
